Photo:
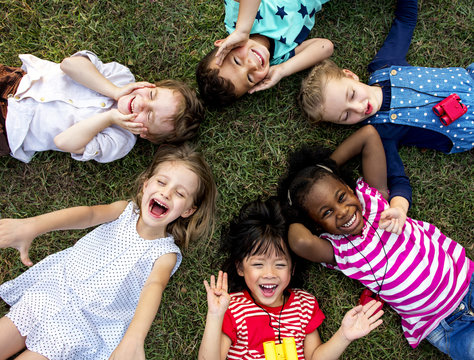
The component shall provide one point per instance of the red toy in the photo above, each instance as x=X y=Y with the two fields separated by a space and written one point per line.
x=367 y=296
x=450 y=109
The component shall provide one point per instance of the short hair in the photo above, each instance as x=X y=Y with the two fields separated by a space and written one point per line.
x=260 y=228
x=311 y=96
x=188 y=117
x=201 y=223
x=215 y=90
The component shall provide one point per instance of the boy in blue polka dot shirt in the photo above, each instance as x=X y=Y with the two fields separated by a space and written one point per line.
x=398 y=100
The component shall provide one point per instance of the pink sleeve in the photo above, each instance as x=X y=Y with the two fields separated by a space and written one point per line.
x=229 y=326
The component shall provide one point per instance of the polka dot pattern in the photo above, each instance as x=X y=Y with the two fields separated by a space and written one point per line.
x=79 y=302
x=415 y=90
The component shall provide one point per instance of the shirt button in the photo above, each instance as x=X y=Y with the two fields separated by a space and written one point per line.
x=42 y=98
x=102 y=104
x=393 y=116
x=393 y=72
x=70 y=101
x=17 y=97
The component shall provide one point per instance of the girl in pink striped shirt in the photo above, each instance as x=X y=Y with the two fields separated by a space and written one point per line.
x=421 y=273
x=265 y=306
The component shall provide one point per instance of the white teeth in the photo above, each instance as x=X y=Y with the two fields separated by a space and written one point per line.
x=268 y=286
x=258 y=57
x=350 y=222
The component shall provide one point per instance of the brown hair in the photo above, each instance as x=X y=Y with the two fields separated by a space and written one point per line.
x=215 y=90
x=201 y=223
x=311 y=96
x=188 y=117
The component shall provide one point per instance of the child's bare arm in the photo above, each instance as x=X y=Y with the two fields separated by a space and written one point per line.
x=366 y=141
x=133 y=342
x=307 y=54
x=215 y=344
x=19 y=233
x=357 y=323
x=247 y=12
x=75 y=138
x=309 y=246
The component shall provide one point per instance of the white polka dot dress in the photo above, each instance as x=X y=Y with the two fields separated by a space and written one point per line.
x=78 y=303
x=415 y=90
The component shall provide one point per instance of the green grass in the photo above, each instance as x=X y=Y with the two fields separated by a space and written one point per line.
x=246 y=144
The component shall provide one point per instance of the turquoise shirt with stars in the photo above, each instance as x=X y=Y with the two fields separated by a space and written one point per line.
x=415 y=90
x=286 y=23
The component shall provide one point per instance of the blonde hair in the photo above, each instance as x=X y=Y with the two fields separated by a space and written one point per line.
x=311 y=96
x=201 y=223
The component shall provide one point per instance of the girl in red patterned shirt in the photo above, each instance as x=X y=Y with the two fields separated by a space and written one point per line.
x=264 y=306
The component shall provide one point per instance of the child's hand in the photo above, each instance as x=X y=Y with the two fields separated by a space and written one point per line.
x=236 y=39
x=275 y=74
x=393 y=220
x=126 y=121
x=361 y=320
x=129 y=88
x=128 y=349
x=217 y=297
x=17 y=234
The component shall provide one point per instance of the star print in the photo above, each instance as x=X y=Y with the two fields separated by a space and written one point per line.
x=281 y=12
x=303 y=11
x=282 y=40
x=258 y=17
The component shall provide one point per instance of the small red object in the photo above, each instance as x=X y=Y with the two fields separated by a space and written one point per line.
x=450 y=109
x=368 y=296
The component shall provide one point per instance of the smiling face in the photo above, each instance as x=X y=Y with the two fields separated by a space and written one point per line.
x=266 y=276
x=155 y=108
x=348 y=101
x=334 y=206
x=167 y=195
x=245 y=66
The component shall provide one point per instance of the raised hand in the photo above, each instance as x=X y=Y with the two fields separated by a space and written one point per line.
x=392 y=220
x=18 y=234
x=275 y=74
x=129 y=88
x=236 y=39
x=126 y=121
x=361 y=320
x=218 y=298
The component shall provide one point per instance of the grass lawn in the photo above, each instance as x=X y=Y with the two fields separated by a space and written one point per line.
x=246 y=144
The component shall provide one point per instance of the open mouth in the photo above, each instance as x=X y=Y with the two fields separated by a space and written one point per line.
x=130 y=105
x=157 y=209
x=369 y=109
x=350 y=222
x=259 y=57
x=268 y=290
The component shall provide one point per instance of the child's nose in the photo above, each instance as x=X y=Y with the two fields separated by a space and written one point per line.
x=165 y=192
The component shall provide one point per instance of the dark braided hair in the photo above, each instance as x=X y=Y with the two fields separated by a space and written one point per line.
x=306 y=166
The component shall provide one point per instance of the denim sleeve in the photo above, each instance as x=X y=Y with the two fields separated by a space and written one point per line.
x=398 y=182
x=397 y=42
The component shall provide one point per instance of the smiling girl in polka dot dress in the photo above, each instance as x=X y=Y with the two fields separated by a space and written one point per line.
x=97 y=299
x=398 y=99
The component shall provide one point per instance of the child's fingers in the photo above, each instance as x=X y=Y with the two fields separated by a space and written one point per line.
x=224 y=282
x=219 y=280
x=206 y=285
x=375 y=324
x=25 y=259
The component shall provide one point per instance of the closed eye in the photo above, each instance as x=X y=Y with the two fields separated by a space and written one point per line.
x=249 y=79
x=353 y=94
x=180 y=194
x=327 y=213
x=341 y=197
x=236 y=61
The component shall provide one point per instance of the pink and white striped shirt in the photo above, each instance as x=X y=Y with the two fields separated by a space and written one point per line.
x=426 y=273
x=248 y=325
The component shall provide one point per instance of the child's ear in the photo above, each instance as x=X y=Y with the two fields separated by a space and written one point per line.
x=350 y=74
x=189 y=212
x=238 y=266
x=218 y=42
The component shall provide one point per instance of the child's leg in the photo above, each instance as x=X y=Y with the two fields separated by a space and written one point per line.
x=10 y=339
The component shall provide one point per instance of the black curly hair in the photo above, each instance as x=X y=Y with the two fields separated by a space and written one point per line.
x=306 y=166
